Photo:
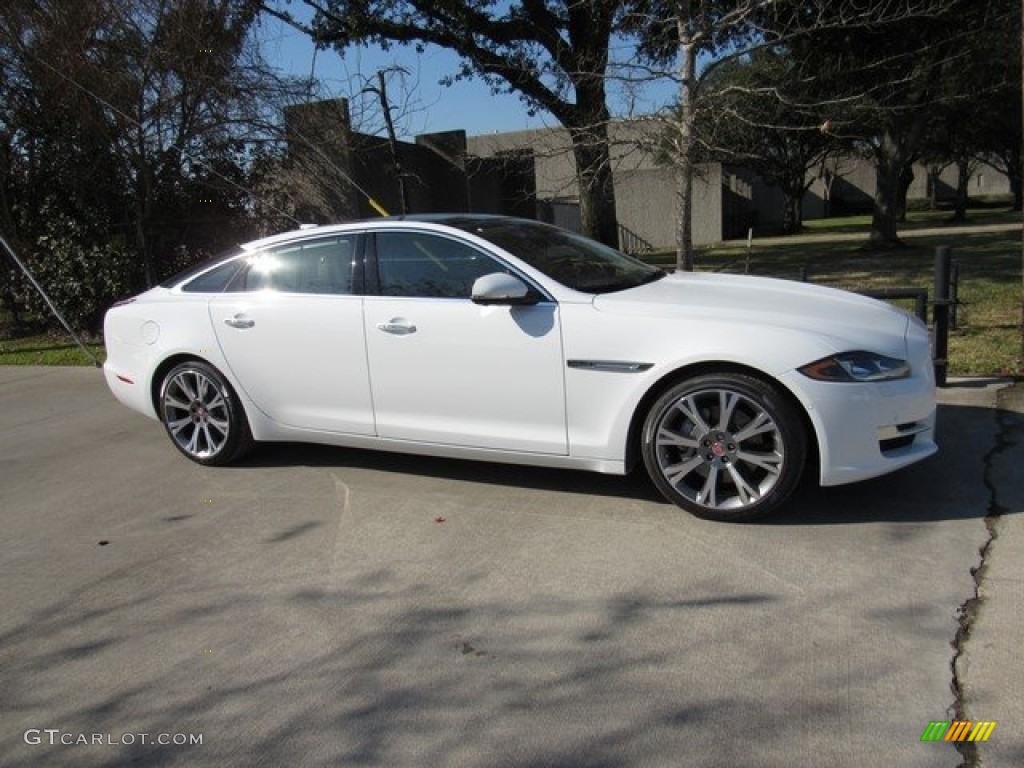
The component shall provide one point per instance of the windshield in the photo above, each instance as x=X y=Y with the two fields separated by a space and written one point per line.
x=573 y=260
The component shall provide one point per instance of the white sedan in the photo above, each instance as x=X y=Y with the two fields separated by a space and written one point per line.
x=499 y=339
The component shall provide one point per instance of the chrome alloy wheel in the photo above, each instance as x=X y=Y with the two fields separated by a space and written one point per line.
x=719 y=449
x=196 y=413
x=724 y=446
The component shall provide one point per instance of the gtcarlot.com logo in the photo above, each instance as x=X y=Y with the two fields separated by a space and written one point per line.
x=56 y=736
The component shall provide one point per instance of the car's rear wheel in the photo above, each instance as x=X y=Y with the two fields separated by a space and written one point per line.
x=202 y=414
x=724 y=446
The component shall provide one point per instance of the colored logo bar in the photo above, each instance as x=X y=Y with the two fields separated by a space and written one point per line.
x=958 y=730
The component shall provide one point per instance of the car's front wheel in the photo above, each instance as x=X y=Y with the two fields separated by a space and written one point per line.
x=724 y=446
x=202 y=415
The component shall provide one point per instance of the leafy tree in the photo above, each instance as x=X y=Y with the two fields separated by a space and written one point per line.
x=953 y=138
x=54 y=163
x=1002 y=143
x=134 y=120
x=996 y=110
x=759 y=118
x=847 y=43
x=680 y=33
x=554 y=54
x=897 y=80
x=184 y=88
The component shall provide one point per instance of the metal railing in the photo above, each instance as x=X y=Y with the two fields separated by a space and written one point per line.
x=632 y=243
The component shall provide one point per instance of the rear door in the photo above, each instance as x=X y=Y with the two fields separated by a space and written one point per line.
x=291 y=328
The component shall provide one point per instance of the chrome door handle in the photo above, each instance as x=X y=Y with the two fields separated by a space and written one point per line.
x=398 y=326
x=239 y=321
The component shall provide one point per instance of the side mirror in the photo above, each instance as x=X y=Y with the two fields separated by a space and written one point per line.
x=501 y=288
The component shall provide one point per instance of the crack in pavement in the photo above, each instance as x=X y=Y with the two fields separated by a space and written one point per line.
x=968 y=610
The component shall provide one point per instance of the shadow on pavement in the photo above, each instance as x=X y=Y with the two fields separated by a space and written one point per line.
x=944 y=487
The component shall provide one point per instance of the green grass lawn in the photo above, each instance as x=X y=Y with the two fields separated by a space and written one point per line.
x=915 y=220
x=987 y=340
x=47 y=349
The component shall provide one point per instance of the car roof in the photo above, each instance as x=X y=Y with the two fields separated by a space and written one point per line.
x=459 y=220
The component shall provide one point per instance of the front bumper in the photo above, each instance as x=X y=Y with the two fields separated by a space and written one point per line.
x=867 y=430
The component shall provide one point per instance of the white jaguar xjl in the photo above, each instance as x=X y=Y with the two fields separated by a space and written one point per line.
x=500 y=339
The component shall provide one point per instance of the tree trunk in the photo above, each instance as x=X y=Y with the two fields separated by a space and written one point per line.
x=684 y=215
x=143 y=209
x=1008 y=163
x=594 y=175
x=934 y=177
x=906 y=179
x=684 y=148
x=1015 y=173
x=963 y=180
x=827 y=179
x=889 y=165
x=7 y=274
x=7 y=298
x=792 y=207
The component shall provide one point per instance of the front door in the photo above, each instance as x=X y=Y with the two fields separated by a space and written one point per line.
x=445 y=370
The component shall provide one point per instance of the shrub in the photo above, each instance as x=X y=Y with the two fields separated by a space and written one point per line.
x=82 y=278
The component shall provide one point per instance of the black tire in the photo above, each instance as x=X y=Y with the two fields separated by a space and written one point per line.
x=724 y=447
x=202 y=415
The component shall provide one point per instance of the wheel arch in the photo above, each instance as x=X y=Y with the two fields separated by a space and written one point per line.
x=235 y=435
x=670 y=379
x=165 y=367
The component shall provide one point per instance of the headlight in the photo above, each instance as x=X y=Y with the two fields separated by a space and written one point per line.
x=857 y=366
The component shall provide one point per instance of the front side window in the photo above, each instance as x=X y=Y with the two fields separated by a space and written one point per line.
x=315 y=266
x=428 y=265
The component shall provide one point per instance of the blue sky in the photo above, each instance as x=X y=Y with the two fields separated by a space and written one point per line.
x=428 y=106
x=421 y=104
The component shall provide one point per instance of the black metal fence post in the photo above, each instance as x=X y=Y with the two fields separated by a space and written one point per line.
x=940 y=312
x=954 y=294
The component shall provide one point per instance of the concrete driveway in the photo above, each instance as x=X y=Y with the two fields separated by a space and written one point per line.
x=326 y=607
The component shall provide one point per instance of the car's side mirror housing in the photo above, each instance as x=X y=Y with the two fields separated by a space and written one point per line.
x=501 y=288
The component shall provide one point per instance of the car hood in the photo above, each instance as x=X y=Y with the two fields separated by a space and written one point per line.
x=848 y=318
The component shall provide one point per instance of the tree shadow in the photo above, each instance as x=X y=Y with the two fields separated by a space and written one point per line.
x=403 y=678
x=289 y=629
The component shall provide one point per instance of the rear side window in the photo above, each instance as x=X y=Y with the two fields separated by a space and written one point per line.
x=187 y=274
x=316 y=266
x=216 y=280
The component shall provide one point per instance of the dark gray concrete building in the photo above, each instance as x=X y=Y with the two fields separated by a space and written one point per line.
x=338 y=171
